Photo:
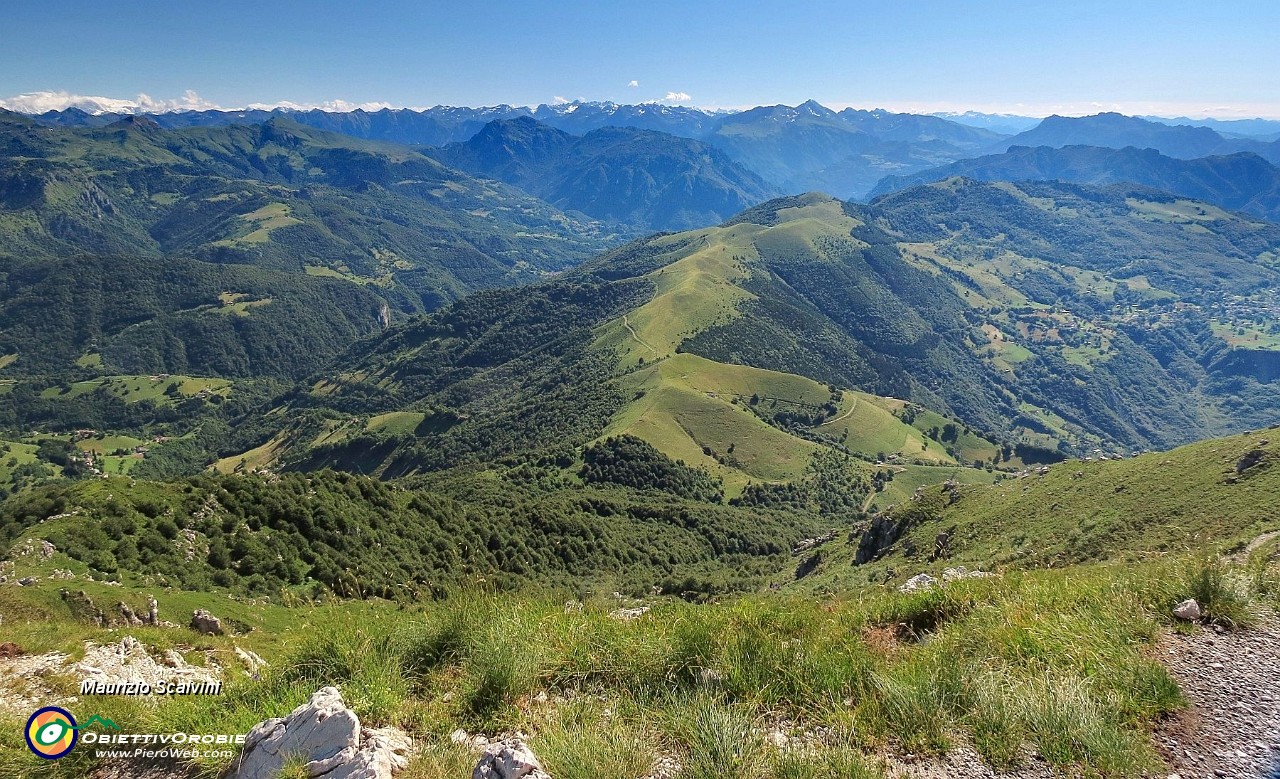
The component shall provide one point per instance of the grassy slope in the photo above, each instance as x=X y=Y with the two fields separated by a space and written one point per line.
x=703 y=288
x=868 y=424
x=685 y=403
x=132 y=389
x=1149 y=506
x=909 y=478
x=1058 y=660
x=689 y=403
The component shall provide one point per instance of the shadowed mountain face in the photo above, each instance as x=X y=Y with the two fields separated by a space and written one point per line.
x=643 y=179
x=1117 y=131
x=1239 y=182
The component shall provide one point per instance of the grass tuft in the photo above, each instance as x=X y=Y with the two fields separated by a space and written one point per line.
x=718 y=739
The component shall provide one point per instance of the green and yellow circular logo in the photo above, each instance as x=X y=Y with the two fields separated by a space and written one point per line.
x=51 y=732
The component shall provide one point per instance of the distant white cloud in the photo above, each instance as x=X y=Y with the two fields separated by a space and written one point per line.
x=328 y=105
x=50 y=100
x=39 y=102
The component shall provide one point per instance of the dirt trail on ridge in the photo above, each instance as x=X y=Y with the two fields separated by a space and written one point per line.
x=1232 y=680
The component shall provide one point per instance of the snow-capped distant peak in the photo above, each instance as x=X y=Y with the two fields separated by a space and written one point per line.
x=43 y=102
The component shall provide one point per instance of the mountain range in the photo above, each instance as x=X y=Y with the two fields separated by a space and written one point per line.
x=577 y=388
x=644 y=179
x=1116 y=131
x=793 y=148
x=1239 y=182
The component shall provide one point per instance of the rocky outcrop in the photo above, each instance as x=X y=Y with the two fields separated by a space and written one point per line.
x=127 y=614
x=877 y=538
x=626 y=615
x=1250 y=459
x=942 y=545
x=33 y=547
x=328 y=738
x=924 y=581
x=204 y=622
x=810 y=543
x=511 y=759
x=129 y=662
x=83 y=608
x=251 y=660
x=921 y=581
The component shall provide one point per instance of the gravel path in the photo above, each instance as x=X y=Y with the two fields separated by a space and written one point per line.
x=1232 y=728
x=962 y=761
x=1256 y=544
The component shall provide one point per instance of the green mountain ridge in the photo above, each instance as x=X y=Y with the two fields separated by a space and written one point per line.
x=1019 y=310
x=603 y=353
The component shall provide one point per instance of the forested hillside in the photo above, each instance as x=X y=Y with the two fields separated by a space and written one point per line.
x=190 y=226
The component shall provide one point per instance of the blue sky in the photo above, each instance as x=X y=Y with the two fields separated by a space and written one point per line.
x=1029 y=57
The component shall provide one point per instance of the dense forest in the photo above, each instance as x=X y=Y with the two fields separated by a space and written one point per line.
x=360 y=537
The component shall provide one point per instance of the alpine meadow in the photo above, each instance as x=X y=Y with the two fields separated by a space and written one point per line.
x=888 y=392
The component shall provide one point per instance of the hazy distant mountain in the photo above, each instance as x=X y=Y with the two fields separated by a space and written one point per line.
x=1240 y=182
x=916 y=128
x=1005 y=124
x=433 y=127
x=582 y=117
x=1117 y=131
x=1258 y=129
x=642 y=178
x=810 y=147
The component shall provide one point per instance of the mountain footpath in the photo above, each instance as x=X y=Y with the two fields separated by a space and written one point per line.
x=1232 y=680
